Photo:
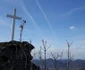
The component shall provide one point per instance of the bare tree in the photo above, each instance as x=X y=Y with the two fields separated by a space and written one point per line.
x=30 y=41
x=78 y=67
x=69 y=56
x=34 y=54
x=55 y=58
x=45 y=48
x=40 y=58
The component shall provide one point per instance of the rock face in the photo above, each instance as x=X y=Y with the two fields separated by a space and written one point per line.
x=15 y=55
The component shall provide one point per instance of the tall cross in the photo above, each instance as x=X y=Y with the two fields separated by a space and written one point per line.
x=13 y=25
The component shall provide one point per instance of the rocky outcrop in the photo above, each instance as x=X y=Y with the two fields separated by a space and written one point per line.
x=15 y=55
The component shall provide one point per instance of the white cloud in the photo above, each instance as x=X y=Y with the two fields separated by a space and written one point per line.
x=72 y=27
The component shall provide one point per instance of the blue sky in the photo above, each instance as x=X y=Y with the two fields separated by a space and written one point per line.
x=52 y=20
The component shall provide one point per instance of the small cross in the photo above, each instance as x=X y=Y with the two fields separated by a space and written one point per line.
x=22 y=26
x=13 y=25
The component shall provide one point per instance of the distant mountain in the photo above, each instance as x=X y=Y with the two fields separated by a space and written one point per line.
x=62 y=64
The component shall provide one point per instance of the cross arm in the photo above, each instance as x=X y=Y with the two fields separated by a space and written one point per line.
x=19 y=18
x=9 y=16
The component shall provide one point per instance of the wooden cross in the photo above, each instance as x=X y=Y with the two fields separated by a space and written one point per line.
x=13 y=25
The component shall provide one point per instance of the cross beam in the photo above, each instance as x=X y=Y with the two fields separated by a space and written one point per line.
x=13 y=25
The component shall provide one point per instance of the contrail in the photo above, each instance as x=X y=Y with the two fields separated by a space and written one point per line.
x=73 y=10
x=30 y=16
x=45 y=17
